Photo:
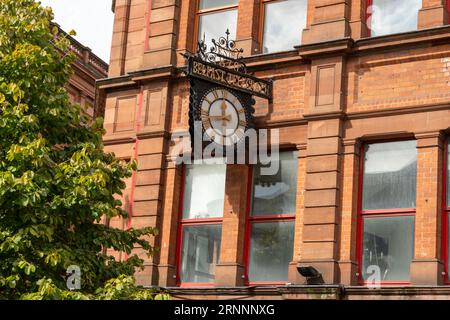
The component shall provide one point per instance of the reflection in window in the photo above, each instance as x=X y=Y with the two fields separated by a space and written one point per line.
x=388 y=244
x=204 y=191
x=272 y=221
x=214 y=23
x=208 y=4
x=388 y=16
x=276 y=194
x=389 y=179
x=284 y=22
x=271 y=248
x=201 y=223
x=200 y=253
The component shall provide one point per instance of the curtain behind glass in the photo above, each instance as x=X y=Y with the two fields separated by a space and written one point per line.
x=389 y=179
x=271 y=248
x=388 y=243
x=273 y=195
x=200 y=253
x=204 y=191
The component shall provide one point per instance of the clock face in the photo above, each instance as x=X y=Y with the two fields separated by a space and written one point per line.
x=223 y=117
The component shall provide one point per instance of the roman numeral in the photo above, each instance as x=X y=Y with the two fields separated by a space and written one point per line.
x=206 y=124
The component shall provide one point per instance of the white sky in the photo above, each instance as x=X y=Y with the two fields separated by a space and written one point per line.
x=91 y=19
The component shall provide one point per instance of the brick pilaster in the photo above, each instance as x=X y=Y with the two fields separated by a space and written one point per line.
x=119 y=40
x=434 y=13
x=230 y=269
x=330 y=21
x=348 y=262
x=162 y=31
x=293 y=275
x=167 y=268
x=358 y=19
x=427 y=265
x=319 y=246
x=248 y=31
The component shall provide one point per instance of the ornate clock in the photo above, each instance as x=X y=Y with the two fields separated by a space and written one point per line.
x=223 y=116
x=221 y=93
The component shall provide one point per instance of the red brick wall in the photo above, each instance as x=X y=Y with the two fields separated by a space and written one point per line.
x=330 y=95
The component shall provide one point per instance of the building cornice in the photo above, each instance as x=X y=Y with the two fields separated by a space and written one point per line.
x=302 y=54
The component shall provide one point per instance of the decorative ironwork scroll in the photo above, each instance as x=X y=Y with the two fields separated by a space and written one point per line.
x=223 y=52
x=223 y=64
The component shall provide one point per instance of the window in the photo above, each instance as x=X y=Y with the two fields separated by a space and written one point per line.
x=387 y=209
x=201 y=222
x=215 y=17
x=271 y=222
x=388 y=17
x=284 y=22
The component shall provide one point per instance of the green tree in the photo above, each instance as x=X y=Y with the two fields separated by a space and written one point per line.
x=56 y=182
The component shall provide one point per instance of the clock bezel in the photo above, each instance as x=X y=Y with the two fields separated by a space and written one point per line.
x=233 y=105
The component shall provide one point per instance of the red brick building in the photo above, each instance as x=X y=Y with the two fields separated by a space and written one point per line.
x=87 y=68
x=362 y=104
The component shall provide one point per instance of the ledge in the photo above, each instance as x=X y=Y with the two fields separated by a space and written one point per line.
x=436 y=34
x=298 y=291
x=327 y=292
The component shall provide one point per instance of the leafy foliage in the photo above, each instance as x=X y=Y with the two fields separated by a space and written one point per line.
x=56 y=182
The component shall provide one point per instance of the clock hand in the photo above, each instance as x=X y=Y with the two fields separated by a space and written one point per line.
x=224 y=108
x=218 y=118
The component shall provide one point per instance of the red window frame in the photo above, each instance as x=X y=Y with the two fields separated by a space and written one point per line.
x=189 y=222
x=445 y=213
x=361 y=214
x=249 y=221
x=367 y=16
x=448 y=10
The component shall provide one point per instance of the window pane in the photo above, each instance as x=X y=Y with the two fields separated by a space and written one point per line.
x=200 y=253
x=388 y=244
x=283 y=25
x=276 y=194
x=271 y=248
x=204 y=190
x=397 y=16
x=390 y=175
x=214 y=25
x=208 y=4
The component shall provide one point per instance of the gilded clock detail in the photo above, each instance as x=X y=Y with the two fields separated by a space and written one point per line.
x=223 y=116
